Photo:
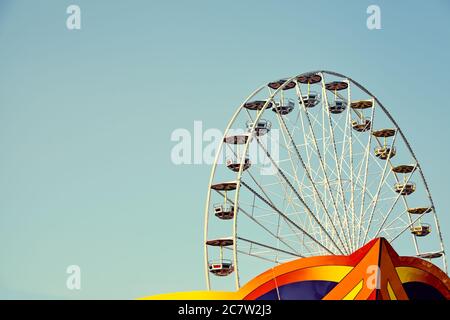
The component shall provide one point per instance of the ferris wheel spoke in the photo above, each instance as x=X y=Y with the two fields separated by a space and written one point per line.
x=302 y=162
x=249 y=116
x=251 y=217
x=308 y=160
x=284 y=127
x=300 y=198
x=399 y=217
x=249 y=253
x=352 y=183
x=405 y=202
x=303 y=187
x=269 y=199
x=261 y=188
x=291 y=161
x=337 y=163
x=382 y=180
x=288 y=219
x=395 y=202
x=288 y=214
x=366 y=170
x=254 y=180
x=289 y=204
x=364 y=189
x=406 y=228
x=327 y=182
x=270 y=247
x=287 y=191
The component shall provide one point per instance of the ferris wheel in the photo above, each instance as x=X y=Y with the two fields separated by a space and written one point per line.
x=313 y=165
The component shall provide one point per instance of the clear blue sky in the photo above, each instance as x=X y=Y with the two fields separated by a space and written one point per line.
x=86 y=118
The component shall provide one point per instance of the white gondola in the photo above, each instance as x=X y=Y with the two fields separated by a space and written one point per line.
x=311 y=100
x=361 y=125
x=224 y=212
x=405 y=189
x=384 y=153
x=221 y=267
x=422 y=230
x=338 y=106
x=284 y=108
x=233 y=164
x=261 y=128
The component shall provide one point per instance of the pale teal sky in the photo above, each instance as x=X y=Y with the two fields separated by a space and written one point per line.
x=86 y=118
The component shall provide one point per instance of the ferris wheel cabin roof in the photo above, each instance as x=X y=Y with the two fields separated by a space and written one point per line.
x=404 y=168
x=276 y=84
x=257 y=105
x=336 y=85
x=237 y=139
x=225 y=186
x=430 y=255
x=361 y=104
x=420 y=210
x=220 y=242
x=309 y=78
x=384 y=133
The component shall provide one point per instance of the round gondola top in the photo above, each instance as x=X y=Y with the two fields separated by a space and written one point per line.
x=276 y=84
x=361 y=104
x=405 y=168
x=309 y=78
x=384 y=133
x=224 y=186
x=221 y=242
x=420 y=210
x=257 y=105
x=336 y=85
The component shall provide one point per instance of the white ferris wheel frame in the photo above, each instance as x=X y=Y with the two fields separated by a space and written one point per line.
x=239 y=182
